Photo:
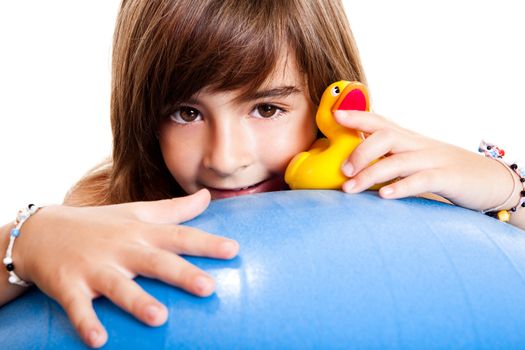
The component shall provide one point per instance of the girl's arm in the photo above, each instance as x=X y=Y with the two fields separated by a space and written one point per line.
x=75 y=254
x=424 y=165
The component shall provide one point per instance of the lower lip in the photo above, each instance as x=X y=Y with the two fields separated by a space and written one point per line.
x=272 y=184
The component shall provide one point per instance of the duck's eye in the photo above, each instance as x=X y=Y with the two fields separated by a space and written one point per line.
x=489 y=148
x=335 y=91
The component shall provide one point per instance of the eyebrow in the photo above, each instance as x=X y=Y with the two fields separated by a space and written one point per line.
x=281 y=92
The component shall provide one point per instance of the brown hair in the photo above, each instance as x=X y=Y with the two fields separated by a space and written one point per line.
x=166 y=50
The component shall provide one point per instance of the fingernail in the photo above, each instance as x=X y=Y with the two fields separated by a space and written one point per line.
x=387 y=191
x=228 y=248
x=204 y=285
x=93 y=338
x=349 y=185
x=152 y=312
x=348 y=168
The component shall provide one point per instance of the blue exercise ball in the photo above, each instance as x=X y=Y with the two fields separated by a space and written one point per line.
x=323 y=269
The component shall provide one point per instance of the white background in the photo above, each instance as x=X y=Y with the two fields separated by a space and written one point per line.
x=453 y=70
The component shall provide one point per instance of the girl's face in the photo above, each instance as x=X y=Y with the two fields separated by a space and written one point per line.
x=234 y=147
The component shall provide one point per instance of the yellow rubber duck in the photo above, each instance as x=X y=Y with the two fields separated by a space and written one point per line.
x=320 y=167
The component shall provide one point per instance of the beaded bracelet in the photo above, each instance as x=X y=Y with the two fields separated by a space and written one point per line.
x=21 y=217
x=494 y=152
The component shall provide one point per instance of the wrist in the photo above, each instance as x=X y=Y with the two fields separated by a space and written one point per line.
x=497 y=186
x=13 y=259
x=8 y=291
x=516 y=199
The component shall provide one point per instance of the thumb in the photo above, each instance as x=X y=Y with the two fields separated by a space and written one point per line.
x=174 y=211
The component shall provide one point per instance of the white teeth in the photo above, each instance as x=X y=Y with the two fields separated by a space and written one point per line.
x=245 y=187
x=237 y=189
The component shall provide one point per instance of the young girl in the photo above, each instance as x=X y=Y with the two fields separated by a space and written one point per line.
x=211 y=99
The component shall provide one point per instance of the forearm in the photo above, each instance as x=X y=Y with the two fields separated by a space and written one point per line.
x=8 y=291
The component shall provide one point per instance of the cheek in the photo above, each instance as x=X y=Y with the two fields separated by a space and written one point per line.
x=181 y=153
x=286 y=140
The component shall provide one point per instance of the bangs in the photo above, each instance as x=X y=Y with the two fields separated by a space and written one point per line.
x=222 y=46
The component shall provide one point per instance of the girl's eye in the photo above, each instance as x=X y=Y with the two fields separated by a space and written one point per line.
x=185 y=115
x=267 y=111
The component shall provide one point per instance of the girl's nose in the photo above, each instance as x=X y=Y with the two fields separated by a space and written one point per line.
x=230 y=148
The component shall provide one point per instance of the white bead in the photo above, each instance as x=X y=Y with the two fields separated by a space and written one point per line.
x=12 y=279
x=22 y=217
x=8 y=260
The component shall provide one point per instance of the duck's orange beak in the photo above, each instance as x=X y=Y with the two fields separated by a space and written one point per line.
x=354 y=97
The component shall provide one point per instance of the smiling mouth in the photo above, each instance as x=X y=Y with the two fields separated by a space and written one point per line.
x=275 y=183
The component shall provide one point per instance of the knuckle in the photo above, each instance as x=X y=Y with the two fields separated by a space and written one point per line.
x=178 y=232
x=396 y=164
x=62 y=279
x=400 y=187
x=134 y=209
x=358 y=157
x=414 y=184
x=180 y=238
x=155 y=260
x=138 y=303
x=431 y=180
x=173 y=269
x=381 y=117
x=136 y=228
x=398 y=182
x=184 y=274
x=111 y=285
x=68 y=302
x=422 y=180
x=388 y=134
x=363 y=178
x=388 y=121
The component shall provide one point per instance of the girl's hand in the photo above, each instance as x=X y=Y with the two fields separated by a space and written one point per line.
x=421 y=164
x=75 y=254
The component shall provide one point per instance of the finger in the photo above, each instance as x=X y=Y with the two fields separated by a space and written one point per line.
x=364 y=121
x=387 y=169
x=129 y=296
x=372 y=148
x=418 y=183
x=170 y=268
x=173 y=211
x=78 y=307
x=191 y=241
